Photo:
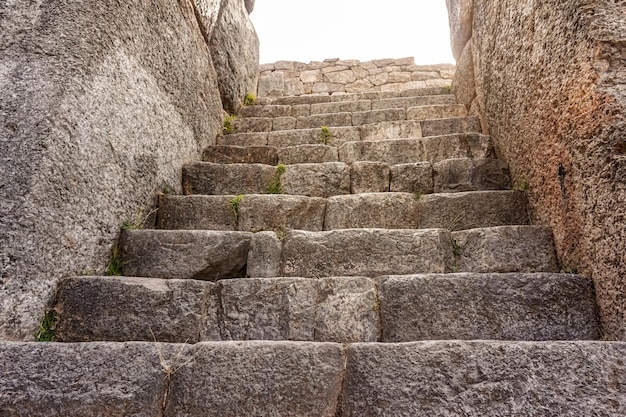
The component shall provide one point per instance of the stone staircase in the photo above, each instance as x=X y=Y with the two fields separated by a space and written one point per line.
x=336 y=255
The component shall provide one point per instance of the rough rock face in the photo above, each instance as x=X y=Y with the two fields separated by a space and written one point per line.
x=549 y=82
x=460 y=14
x=235 y=51
x=101 y=102
x=249 y=6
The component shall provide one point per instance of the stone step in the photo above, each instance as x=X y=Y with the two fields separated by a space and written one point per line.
x=212 y=255
x=307 y=379
x=360 y=118
x=376 y=95
x=485 y=378
x=299 y=110
x=253 y=213
x=336 y=309
x=325 y=179
x=270 y=155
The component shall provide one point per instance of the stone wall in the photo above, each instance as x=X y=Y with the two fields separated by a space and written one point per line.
x=548 y=80
x=349 y=76
x=101 y=102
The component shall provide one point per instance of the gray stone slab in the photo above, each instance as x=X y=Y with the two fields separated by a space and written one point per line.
x=372 y=210
x=252 y=124
x=307 y=99
x=330 y=119
x=284 y=123
x=317 y=180
x=437 y=127
x=264 y=255
x=227 y=179
x=377 y=116
x=391 y=130
x=406 y=102
x=488 y=306
x=439 y=111
x=465 y=174
x=183 y=254
x=83 y=379
x=395 y=151
x=369 y=177
x=472 y=145
x=196 y=212
x=341 y=107
x=300 y=110
x=265 y=111
x=304 y=154
x=123 y=309
x=416 y=178
x=460 y=211
x=485 y=378
x=338 y=135
x=221 y=154
x=505 y=249
x=366 y=252
x=259 y=379
x=280 y=212
x=243 y=139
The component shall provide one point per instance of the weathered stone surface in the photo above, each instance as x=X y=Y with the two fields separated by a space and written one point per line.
x=125 y=309
x=414 y=178
x=488 y=306
x=338 y=135
x=229 y=179
x=366 y=252
x=327 y=88
x=86 y=379
x=347 y=310
x=264 y=255
x=369 y=177
x=505 y=249
x=460 y=15
x=339 y=77
x=550 y=90
x=440 y=111
x=470 y=210
x=393 y=151
x=272 y=85
x=406 y=102
x=485 y=378
x=301 y=110
x=236 y=58
x=377 y=116
x=372 y=210
x=240 y=155
x=243 y=139
x=279 y=212
x=330 y=119
x=284 y=123
x=303 y=154
x=317 y=180
x=341 y=107
x=100 y=108
x=263 y=378
x=269 y=309
x=182 y=254
x=391 y=130
x=252 y=124
x=440 y=148
x=208 y=212
x=308 y=99
x=439 y=127
x=249 y=5
x=464 y=84
x=454 y=175
x=265 y=111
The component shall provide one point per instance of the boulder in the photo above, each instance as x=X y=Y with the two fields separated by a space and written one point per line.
x=460 y=15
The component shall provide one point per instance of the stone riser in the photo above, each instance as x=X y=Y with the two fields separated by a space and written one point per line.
x=295 y=379
x=356 y=119
x=343 y=309
x=254 y=213
x=212 y=255
x=337 y=178
x=373 y=95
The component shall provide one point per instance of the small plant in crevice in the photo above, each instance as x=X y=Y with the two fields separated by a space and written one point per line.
x=281 y=233
x=521 y=184
x=448 y=88
x=456 y=248
x=249 y=99
x=115 y=263
x=166 y=190
x=234 y=205
x=325 y=135
x=47 y=327
x=376 y=306
x=417 y=195
x=229 y=124
x=276 y=186
x=139 y=221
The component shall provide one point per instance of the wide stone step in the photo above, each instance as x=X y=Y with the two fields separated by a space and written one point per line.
x=270 y=155
x=256 y=212
x=158 y=379
x=212 y=255
x=375 y=95
x=336 y=309
x=485 y=378
x=467 y=306
x=360 y=118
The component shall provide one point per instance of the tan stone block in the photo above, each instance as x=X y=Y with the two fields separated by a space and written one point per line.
x=436 y=112
x=453 y=175
x=377 y=116
x=227 y=179
x=317 y=180
x=329 y=119
x=199 y=212
x=252 y=124
x=340 y=77
x=300 y=110
x=414 y=178
x=311 y=76
x=304 y=154
x=424 y=75
x=280 y=212
x=391 y=130
x=372 y=210
x=369 y=177
x=284 y=123
x=399 y=77
x=326 y=88
x=392 y=151
x=264 y=255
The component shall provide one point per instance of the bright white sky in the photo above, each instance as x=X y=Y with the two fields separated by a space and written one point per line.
x=313 y=30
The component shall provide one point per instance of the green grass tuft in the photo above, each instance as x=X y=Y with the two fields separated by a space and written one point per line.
x=229 y=124
x=115 y=263
x=249 y=100
x=325 y=135
x=276 y=186
x=234 y=205
x=47 y=328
